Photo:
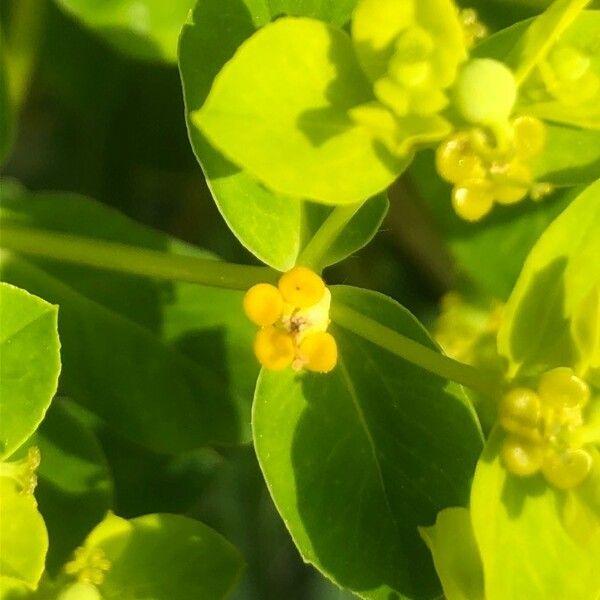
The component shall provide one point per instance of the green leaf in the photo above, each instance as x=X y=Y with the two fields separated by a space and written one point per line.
x=357 y=459
x=144 y=29
x=558 y=276
x=287 y=123
x=526 y=546
x=455 y=554
x=274 y=228
x=194 y=343
x=23 y=536
x=30 y=364
x=164 y=557
x=490 y=253
x=74 y=488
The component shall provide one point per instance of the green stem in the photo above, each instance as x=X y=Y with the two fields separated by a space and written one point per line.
x=412 y=351
x=128 y=259
x=314 y=252
x=22 y=42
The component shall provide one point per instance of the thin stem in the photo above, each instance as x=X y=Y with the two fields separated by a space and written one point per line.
x=129 y=259
x=316 y=249
x=412 y=351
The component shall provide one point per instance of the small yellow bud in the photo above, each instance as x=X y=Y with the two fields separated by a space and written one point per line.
x=568 y=468
x=263 y=304
x=456 y=161
x=274 y=348
x=522 y=457
x=318 y=352
x=301 y=287
x=520 y=412
x=561 y=388
x=529 y=136
x=473 y=199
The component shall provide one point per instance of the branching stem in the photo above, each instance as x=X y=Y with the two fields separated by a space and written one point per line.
x=412 y=351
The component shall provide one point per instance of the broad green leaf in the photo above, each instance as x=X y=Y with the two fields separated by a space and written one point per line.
x=490 y=253
x=272 y=227
x=30 y=364
x=287 y=123
x=527 y=548
x=455 y=554
x=357 y=459
x=6 y=111
x=164 y=557
x=193 y=342
x=145 y=29
x=558 y=276
x=74 y=488
x=23 y=536
x=571 y=155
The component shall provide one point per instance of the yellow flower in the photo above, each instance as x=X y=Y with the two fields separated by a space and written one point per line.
x=294 y=317
x=542 y=429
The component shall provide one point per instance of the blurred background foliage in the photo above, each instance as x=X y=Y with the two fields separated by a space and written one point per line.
x=101 y=123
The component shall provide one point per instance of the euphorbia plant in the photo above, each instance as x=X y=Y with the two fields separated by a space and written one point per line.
x=402 y=467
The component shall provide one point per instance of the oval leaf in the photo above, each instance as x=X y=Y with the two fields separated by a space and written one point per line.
x=164 y=557
x=526 y=549
x=557 y=278
x=272 y=227
x=30 y=364
x=195 y=341
x=287 y=123
x=357 y=459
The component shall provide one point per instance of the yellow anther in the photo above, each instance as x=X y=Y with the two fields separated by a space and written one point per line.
x=529 y=136
x=473 y=29
x=456 y=161
x=520 y=412
x=301 y=287
x=522 y=457
x=561 y=388
x=318 y=352
x=263 y=304
x=274 y=348
x=568 y=468
x=473 y=199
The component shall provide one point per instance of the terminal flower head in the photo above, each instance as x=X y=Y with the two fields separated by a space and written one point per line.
x=541 y=427
x=294 y=317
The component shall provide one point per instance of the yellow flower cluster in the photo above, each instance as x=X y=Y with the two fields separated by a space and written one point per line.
x=484 y=172
x=293 y=317
x=541 y=429
x=23 y=471
x=89 y=565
